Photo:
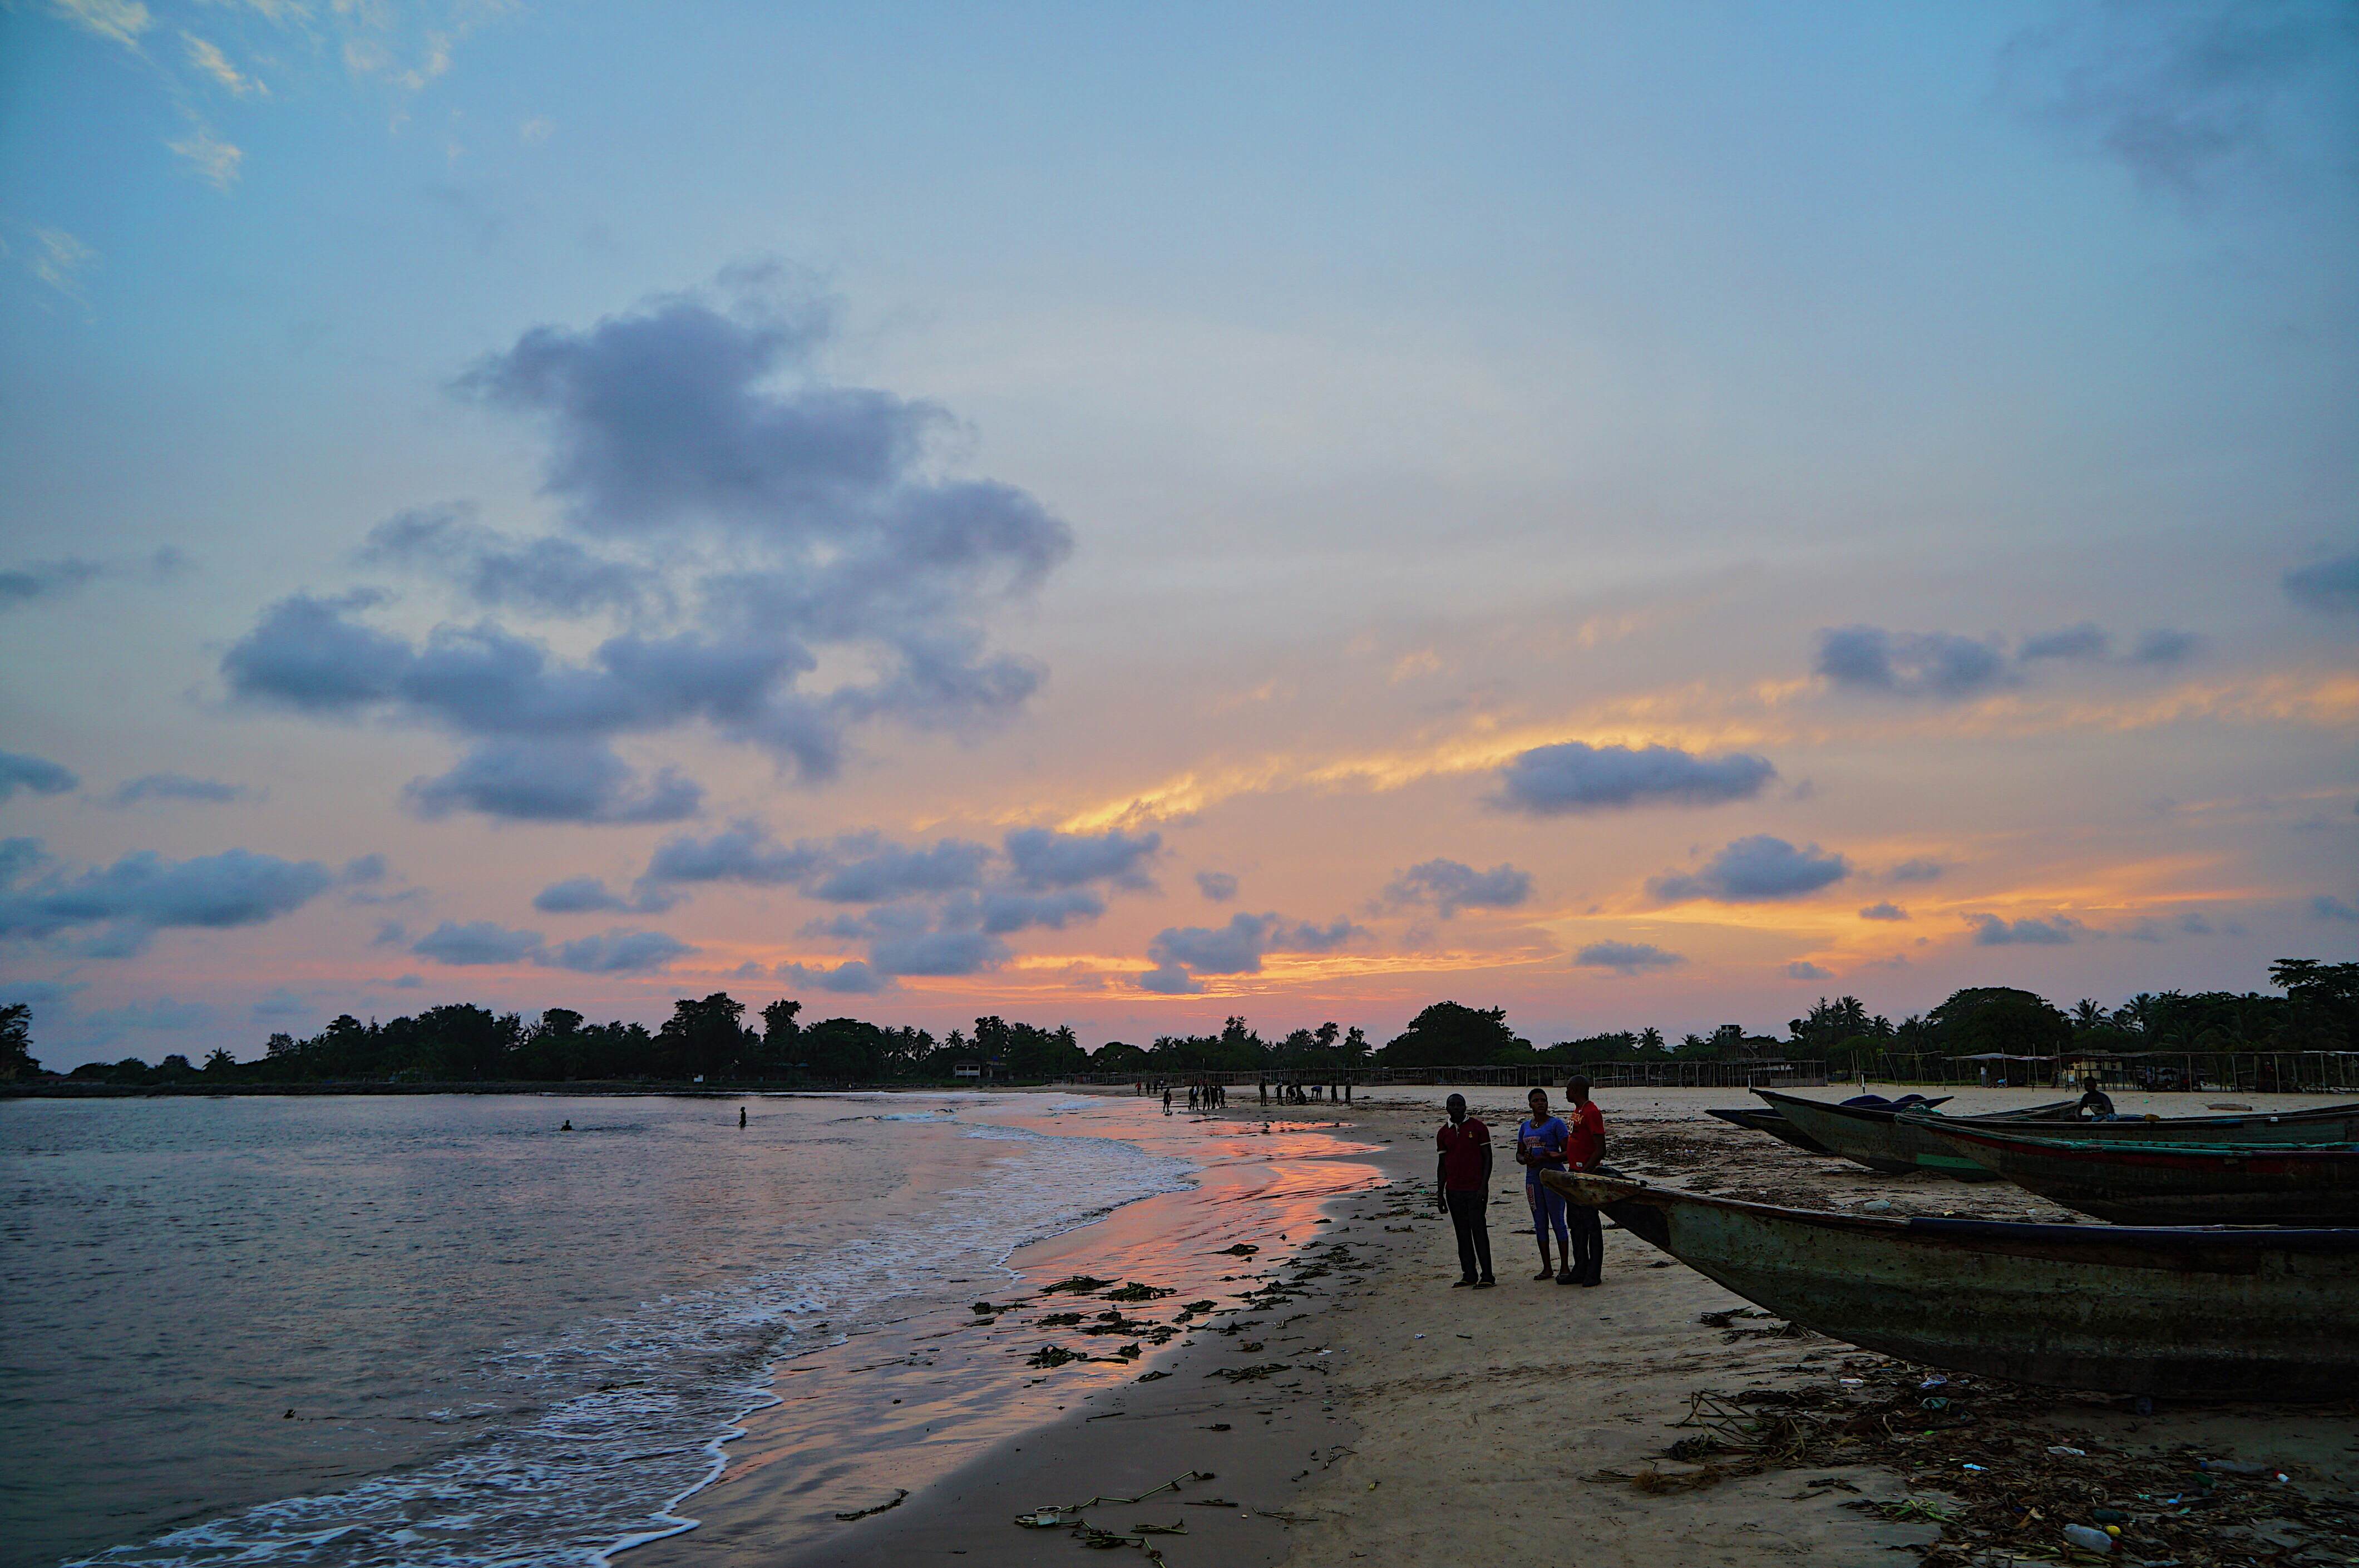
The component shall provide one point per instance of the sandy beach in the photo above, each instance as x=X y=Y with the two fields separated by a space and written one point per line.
x=1345 y=1405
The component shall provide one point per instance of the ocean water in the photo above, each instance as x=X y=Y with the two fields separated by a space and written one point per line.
x=438 y=1330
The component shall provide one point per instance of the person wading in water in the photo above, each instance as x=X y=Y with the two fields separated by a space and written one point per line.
x=1461 y=1189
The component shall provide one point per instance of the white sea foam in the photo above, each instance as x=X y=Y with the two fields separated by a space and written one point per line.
x=601 y=1470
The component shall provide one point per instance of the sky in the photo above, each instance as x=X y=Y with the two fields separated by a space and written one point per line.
x=1635 y=514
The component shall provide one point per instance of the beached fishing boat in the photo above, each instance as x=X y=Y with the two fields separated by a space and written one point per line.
x=2326 y=1124
x=2171 y=1183
x=1756 y=1118
x=1874 y=1137
x=2260 y=1314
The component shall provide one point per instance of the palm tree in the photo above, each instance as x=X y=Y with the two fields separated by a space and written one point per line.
x=2136 y=1014
x=1651 y=1038
x=2087 y=1014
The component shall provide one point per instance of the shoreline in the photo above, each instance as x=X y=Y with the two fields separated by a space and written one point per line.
x=1444 y=1423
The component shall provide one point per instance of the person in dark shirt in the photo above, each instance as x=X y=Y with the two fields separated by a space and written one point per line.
x=1461 y=1188
x=2094 y=1106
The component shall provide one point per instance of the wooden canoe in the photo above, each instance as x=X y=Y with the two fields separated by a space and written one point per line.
x=2171 y=1183
x=1875 y=1137
x=2187 y=1312
x=1760 y=1119
x=2327 y=1123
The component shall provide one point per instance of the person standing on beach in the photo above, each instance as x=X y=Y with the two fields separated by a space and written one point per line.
x=1541 y=1144
x=1585 y=1150
x=1461 y=1189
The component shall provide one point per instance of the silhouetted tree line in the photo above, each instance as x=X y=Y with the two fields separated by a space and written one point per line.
x=710 y=1039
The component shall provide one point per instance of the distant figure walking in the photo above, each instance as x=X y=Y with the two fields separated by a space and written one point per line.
x=741 y=1116
x=568 y=1127
x=2095 y=1105
x=1461 y=1188
x=1167 y=1099
x=1585 y=1150
x=1539 y=1146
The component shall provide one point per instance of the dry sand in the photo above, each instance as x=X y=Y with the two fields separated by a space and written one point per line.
x=1410 y=1423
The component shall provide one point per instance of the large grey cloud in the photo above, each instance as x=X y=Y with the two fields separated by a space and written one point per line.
x=554 y=782
x=2329 y=585
x=38 y=774
x=1180 y=953
x=1756 y=869
x=2086 y=640
x=1450 y=886
x=1044 y=858
x=464 y=943
x=754 y=518
x=42 y=580
x=1910 y=664
x=1553 y=781
x=123 y=905
x=868 y=870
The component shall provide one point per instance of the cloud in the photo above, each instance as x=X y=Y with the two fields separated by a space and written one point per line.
x=1884 y=911
x=206 y=58
x=2326 y=907
x=2086 y=640
x=881 y=871
x=2331 y=586
x=2058 y=931
x=854 y=978
x=19 y=855
x=1450 y=886
x=743 y=853
x=1802 y=969
x=42 y=777
x=2166 y=646
x=1003 y=911
x=1553 y=781
x=1757 y=869
x=1217 y=886
x=476 y=943
x=1922 y=868
x=695 y=435
x=43 y=580
x=1044 y=858
x=939 y=953
x=216 y=161
x=554 y=782
x=281 y=1004
x=142 y=893
x=1626 y=957
x=587 y=894
x=550 y=576
x=616 y=953
x=1909 y=664
x=2174 y=93
x=1237 y=948
x=119 y=21
x=57 y=261
x=180 y=787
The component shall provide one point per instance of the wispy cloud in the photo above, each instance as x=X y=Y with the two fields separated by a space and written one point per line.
x=215 y=160
x=119 y=21
x=210 y=60
x=58 y=259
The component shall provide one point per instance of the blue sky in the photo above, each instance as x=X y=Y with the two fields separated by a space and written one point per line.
x=1335 y=411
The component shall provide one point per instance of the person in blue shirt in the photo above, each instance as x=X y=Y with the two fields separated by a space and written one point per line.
x=1541 y=1144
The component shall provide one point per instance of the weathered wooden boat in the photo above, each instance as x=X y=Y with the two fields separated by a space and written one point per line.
x=1761 y=1119
x=2171 y=1183
x=2188 y=1311
x=1875 y=1137
x=2326 y=1124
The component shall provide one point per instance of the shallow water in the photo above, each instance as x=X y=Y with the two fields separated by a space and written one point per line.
x=499 y=1343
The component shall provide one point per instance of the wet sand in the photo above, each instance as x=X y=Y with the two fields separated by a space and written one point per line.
x=1400 y=1421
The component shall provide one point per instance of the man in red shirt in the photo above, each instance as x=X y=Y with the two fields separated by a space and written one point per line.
x=1462 y=1187
x=1585 y=1150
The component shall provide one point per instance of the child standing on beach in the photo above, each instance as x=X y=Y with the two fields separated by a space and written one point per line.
x=1584 y=1151
x=1540 y=1146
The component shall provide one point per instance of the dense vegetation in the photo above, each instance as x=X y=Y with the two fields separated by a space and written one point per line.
x=711 y=1038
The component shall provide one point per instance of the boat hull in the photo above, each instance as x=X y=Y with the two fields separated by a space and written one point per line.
x=2184 y=1312
x=2330 y=1124
x=2167 y=1185
x=1879 y=1141
x=1759 y=1120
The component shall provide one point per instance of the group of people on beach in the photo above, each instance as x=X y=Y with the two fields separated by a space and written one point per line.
x=1212 y=1096
x=1462 y=1185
